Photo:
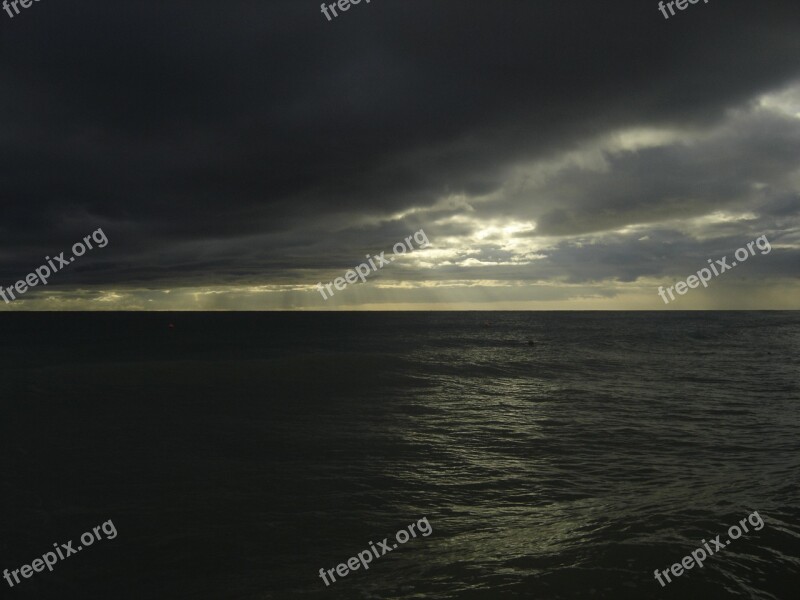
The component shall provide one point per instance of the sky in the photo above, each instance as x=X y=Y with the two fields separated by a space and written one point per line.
x=557 y=155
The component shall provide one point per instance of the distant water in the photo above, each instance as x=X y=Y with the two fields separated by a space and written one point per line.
x=556 y=455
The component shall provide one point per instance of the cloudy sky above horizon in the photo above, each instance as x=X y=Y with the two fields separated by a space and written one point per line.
x=558 y=155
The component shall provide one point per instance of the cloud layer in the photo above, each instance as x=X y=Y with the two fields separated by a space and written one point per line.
x=558 y=155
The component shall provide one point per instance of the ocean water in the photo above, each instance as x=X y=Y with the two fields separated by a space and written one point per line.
x=555 y=455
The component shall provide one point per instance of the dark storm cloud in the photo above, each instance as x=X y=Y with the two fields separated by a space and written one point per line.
x=244 y=141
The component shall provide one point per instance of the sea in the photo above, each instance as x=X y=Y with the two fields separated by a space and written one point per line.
x=555 y=455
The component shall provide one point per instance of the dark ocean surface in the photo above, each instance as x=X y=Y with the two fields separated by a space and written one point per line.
x=555 y=455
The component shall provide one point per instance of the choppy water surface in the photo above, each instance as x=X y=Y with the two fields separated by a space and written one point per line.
x=556 y=455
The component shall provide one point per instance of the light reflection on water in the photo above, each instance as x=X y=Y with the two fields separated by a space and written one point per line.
x=249 y=451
